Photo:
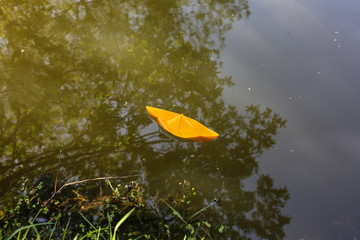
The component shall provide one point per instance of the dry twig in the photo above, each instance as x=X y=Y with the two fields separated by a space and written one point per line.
x=70 y=182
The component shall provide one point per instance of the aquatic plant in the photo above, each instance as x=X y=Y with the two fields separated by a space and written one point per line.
x=117 y=212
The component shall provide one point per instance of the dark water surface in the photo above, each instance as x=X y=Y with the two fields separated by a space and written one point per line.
x=278 y=80
x=301 y=59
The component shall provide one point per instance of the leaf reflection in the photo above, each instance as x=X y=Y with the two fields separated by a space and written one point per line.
x=77 y=76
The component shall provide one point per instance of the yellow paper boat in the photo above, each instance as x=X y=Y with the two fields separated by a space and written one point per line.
x=181 y=126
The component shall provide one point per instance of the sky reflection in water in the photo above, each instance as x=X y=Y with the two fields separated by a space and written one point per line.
x=300 y=58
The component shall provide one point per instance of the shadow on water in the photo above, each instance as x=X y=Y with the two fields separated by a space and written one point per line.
x=77 y=76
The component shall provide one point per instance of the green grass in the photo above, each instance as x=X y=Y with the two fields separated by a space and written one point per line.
x=121 y=222
x=118 y=216
x=95 y=234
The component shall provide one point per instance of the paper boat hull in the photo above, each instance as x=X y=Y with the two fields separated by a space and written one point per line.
x=181 y=126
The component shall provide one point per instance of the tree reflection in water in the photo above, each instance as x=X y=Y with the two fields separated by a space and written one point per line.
x=67 y=68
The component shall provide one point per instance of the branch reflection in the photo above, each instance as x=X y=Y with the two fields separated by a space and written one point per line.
x=77 y=76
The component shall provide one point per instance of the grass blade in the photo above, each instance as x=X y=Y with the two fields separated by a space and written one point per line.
x=35 y=230
x=26 y=227
x=33 y=227
x=108 y=216
x=201 y=210
x=90 y=223
x=98 y=236
x=26 y=233
x=121 y=222
x=66 y=228
x=89 y=234
x=87 y=221
x=176 y=213
x=53 y=230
